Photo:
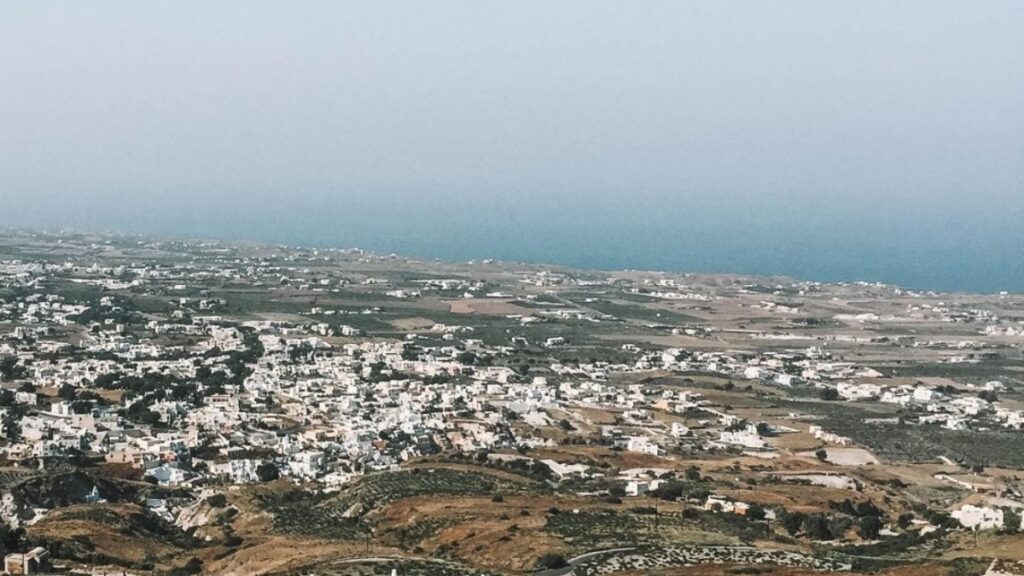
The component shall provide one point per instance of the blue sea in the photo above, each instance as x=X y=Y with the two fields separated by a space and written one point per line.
x=918 y=247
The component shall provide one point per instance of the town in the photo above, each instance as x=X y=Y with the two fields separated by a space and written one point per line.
x=187 y=407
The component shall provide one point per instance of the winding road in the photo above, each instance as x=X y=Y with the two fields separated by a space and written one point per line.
x=572 y=562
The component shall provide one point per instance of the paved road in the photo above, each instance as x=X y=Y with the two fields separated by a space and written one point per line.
x=574 y=561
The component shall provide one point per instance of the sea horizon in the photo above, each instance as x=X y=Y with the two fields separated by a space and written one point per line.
x=547 y=252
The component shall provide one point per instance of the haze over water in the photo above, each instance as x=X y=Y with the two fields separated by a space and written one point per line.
x=828 y=141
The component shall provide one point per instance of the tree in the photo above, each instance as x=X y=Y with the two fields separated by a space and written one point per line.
x=821 y=455
x=904 y=521
x=9 y=368
x=1011 y=520
x=12 y=427
x=140 y=413
x=867 y=508
x=756 y=512
x=838 y=525
x=11 y=538
x=988 y=395
x=793 y=522
x=817 y=527
x=670 y=491
x=267 y=472
x=869 y=527
x=193 y=566
x=829 y=394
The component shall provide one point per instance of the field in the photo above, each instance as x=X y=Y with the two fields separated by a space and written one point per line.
x=342 y=516
x=896 y=442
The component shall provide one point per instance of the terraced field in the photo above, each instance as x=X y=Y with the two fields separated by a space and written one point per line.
x=384 y=567
x=648 y=559
x=407 y=536
x=129 y=520
x=303 y=514
x=380 y=489
x=11 y=476
x=341 y=516
x=591 y=529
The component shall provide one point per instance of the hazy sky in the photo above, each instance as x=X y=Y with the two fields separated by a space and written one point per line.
x=877 y=139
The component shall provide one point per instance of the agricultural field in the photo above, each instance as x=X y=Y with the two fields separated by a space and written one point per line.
x=917 y=443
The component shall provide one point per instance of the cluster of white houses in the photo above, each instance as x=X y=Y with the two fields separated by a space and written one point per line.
x=243 y=401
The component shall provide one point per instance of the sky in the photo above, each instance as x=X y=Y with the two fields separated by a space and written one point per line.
x=871 y=140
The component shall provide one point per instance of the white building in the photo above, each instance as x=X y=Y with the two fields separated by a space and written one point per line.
x=979 y=517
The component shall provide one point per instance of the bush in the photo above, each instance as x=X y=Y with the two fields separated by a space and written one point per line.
x=967 y=567
x=551 y=561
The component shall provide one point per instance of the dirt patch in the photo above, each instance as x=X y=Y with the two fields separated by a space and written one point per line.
x=415 y=323
x=487 y=307
x=847 y=456
x=277 y=554
x=502 y=536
